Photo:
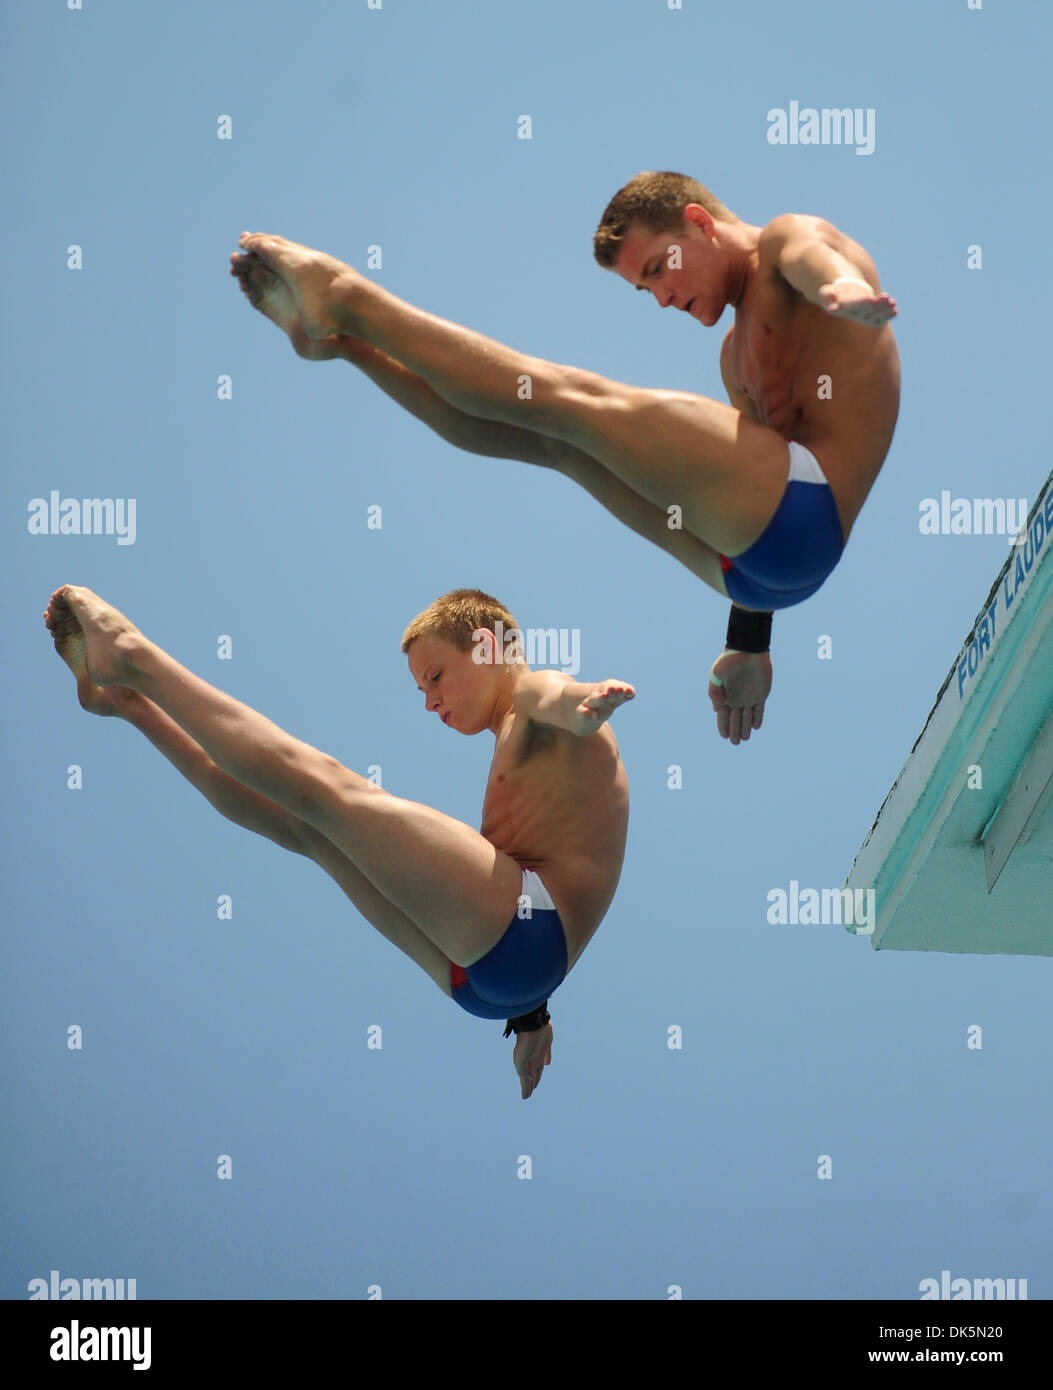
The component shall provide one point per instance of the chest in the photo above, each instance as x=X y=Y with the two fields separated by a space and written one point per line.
x=767 y=343
x=515 y=766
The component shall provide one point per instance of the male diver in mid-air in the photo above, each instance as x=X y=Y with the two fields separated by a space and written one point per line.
x=497 y=917
x=758 y=497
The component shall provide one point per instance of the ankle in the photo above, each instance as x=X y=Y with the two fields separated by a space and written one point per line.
x=130 y=705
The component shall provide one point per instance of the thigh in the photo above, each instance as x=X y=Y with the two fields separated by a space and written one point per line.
x=458 y=888
x=725 y=472
x=634 y=511
x=389 y=920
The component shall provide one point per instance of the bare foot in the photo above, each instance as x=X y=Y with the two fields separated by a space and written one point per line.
x=69 y=638
x=92 y=638
x=268 y=292
x=318 y=283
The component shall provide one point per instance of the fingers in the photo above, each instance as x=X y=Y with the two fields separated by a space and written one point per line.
x=736 y=724
x=608 y=691
x=874 y=313
x=530 y=1076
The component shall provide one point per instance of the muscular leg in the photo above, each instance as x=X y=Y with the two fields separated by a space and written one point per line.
x=727 y=473
x=443 y=875
x=496 y=440
x=269 y=294
x=254 y=812
x=248 y=808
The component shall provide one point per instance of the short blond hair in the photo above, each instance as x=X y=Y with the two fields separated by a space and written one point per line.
x=456 y=616
x=655 y=201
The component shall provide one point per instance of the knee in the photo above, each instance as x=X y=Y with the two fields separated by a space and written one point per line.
x=320 y=787
x=576 y=404
x=577 y=387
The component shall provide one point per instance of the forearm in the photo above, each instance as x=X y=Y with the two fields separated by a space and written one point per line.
x=413 y=393
x=237 y=803
x=557 y=708
x=575 y=707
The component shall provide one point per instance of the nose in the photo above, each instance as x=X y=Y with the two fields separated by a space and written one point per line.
x=664 y=295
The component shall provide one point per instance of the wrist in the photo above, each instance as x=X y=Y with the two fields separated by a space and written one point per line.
x=748 y=632
x=853 y=280
x=529 y=1023
x=571 y=696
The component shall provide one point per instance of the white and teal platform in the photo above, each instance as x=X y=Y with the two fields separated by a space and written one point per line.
x=961 y=853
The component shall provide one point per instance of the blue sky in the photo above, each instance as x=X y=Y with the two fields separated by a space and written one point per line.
x=356 y=1168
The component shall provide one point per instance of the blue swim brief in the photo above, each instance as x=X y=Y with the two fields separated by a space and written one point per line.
x=800 y=546
x=529 y=962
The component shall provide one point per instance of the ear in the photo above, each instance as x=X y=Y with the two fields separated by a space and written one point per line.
x=484 y=646
x=700 y=217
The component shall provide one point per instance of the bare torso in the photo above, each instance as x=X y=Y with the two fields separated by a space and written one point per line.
x=559 y=804
x=783 y=351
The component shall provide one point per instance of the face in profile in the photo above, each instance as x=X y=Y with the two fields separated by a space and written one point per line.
x=456 y=687
x=689 y=280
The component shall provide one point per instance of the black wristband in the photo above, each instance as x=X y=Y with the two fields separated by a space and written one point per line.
x=748 y=632
x=526 y=1023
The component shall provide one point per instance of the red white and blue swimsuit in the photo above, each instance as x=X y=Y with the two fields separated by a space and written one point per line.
x=521 y=972
x=799 y=548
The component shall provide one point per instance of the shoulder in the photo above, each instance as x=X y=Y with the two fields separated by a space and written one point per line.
x=535 y=705
x=533 y=685
x=536 y=696
x=790 y=228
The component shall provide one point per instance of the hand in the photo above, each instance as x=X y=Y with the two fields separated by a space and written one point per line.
x=600 y=703
x=742 y=684
x=532 y=1053
x=854 y=299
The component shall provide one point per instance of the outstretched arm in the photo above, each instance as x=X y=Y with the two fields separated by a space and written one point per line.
x=807 y=255
x=576 y=707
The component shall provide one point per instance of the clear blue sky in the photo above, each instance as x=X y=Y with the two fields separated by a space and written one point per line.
x=353 y=1167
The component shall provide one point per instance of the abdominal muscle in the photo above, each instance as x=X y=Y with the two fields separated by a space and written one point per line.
x=827 y=383
x=576 y=843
